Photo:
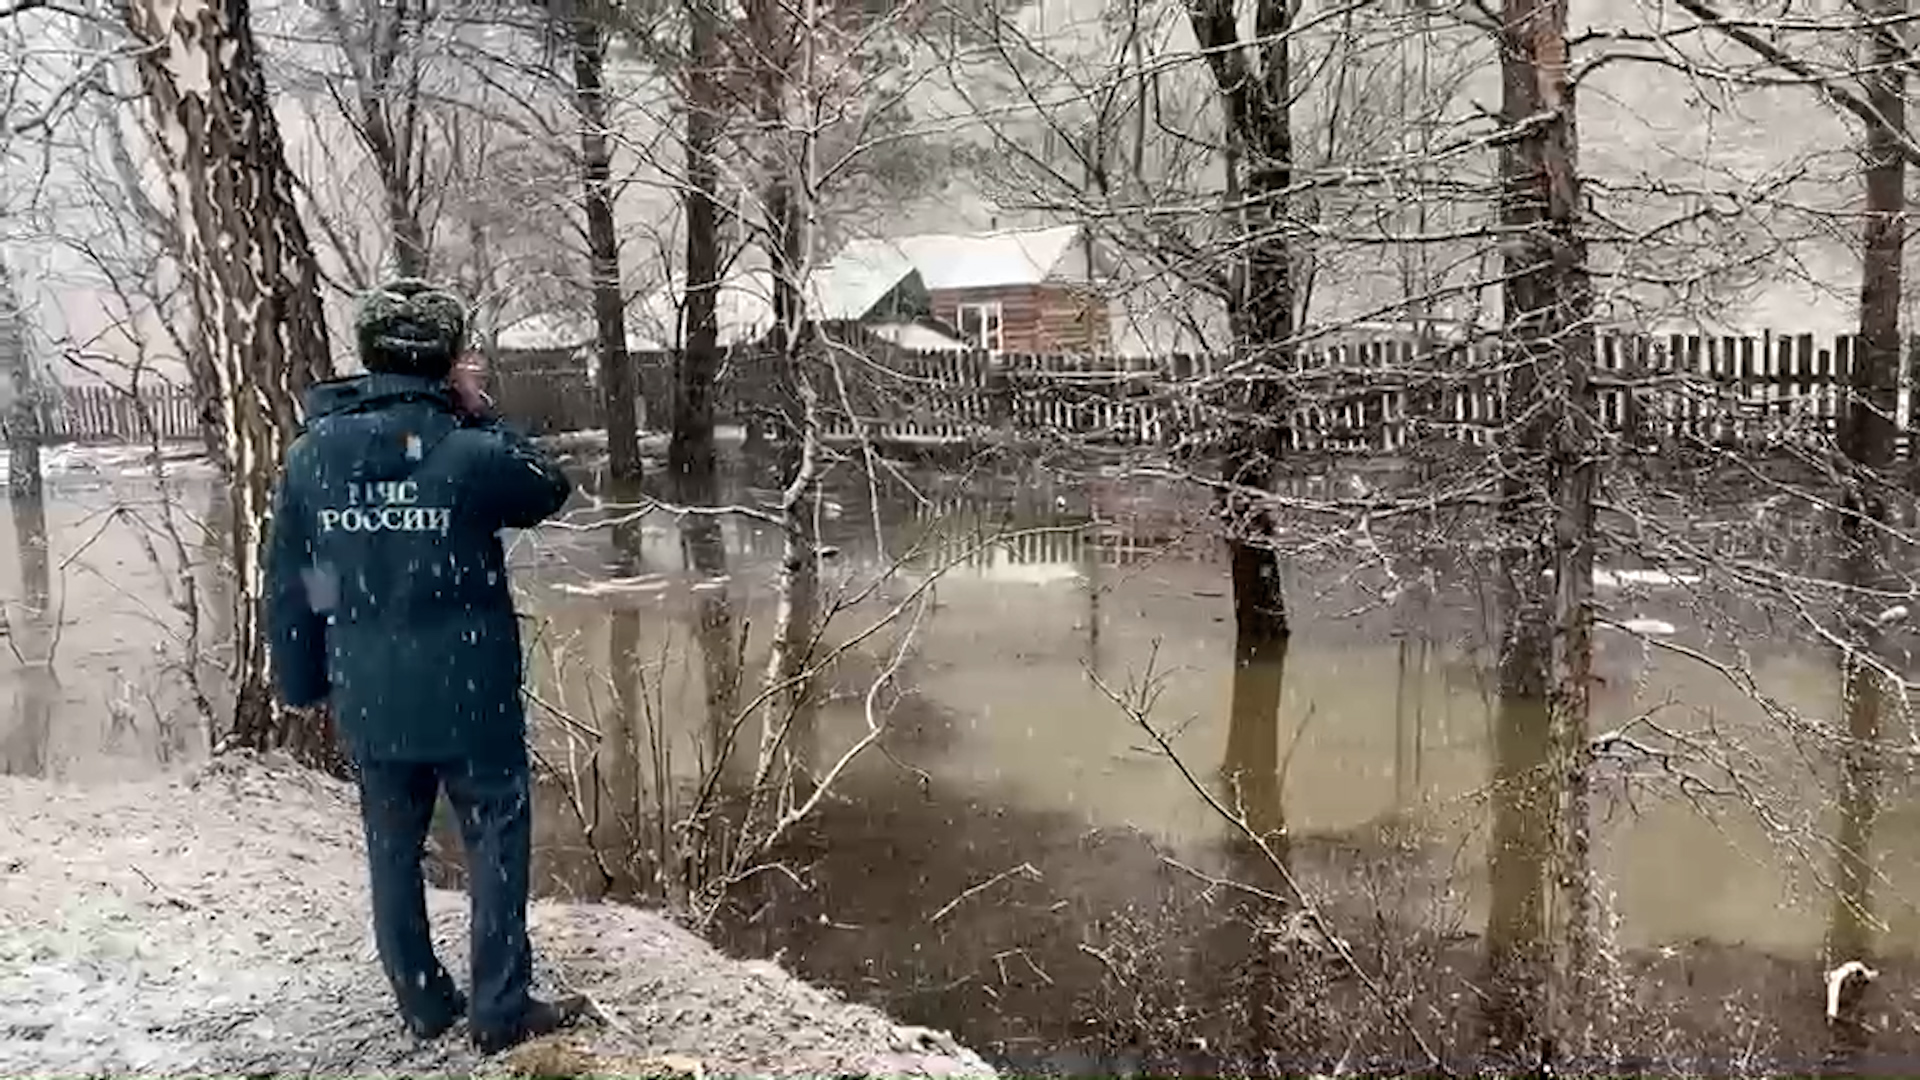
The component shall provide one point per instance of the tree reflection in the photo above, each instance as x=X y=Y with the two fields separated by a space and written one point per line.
x=622 y=737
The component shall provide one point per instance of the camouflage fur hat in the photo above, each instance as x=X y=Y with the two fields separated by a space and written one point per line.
x=410 y=325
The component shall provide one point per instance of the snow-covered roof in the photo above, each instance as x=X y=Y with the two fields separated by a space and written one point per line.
x=979 y=260
x=915 y=337
x=849 y=286
x=842 y=290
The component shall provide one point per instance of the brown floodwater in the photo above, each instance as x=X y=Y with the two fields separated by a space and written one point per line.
x=93 y=683
x=1016 y=857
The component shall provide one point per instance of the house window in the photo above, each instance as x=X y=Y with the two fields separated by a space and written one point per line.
x=980 y=326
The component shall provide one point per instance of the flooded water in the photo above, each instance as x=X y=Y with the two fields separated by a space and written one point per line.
x=1016 y=857
x=97 y=639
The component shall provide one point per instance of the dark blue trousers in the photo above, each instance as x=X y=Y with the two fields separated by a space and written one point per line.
x=496 y=828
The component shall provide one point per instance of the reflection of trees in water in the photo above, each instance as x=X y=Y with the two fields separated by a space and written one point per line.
x=1518 y=850
x=788 y=759
x=1866 y=699
x=950 y=528
x=623 y=734
x=646 y=806
x=1251 y=771
x=720 y=651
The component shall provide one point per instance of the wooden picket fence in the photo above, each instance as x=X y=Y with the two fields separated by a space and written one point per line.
x=547 y=391
x=1381 y=395
x=95 y=413
x=1373 y=395
x=974 y=397
x=1689 y=389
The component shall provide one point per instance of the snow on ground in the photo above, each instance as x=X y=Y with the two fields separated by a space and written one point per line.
x=215 y=923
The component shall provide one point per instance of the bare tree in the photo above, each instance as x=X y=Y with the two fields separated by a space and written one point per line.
x=1868 y=438
x=619 y=391
x=691 y=455
x=1254 y=81
x=219 y=142
x=1854 y=57
x=375 y=39
x=1550 y=469
x=782 y=44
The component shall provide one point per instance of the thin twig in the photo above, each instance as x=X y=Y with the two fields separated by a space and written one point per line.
x=1311 y=909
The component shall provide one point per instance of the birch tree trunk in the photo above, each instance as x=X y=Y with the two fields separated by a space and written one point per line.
x=220 y=147
x=623 y=734
x=1541 y=954
x=782 y=46
x=1867 y=441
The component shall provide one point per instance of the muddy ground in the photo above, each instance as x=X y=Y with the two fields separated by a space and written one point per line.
x=214 y=923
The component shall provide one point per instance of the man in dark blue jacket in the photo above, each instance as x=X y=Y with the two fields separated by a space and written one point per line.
x=388 y=603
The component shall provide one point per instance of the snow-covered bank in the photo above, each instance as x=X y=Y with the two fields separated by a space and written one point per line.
x=215 y=923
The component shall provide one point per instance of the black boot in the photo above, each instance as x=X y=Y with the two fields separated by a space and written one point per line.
x=541 y=1018
x=427 y=1032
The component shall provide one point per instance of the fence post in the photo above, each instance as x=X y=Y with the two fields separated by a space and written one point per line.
x=1729 y=390
x=1607 y=392
x=1768 y=377
x=1843 y=353
x=1829 y=387
x=1633 y=372
x=999 y=390
x=1688 y=360
x=1726 y=392
x=1743 y=434
x=1800 y=379
x=1709 y=396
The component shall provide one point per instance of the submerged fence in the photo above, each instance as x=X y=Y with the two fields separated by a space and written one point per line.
x=1355 y=395
x=1382 y=395
x=1375 y=395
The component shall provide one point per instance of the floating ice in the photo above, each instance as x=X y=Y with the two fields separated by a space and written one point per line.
x=644 y=583
x=1604 y=578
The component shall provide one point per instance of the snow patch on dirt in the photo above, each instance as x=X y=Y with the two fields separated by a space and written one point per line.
x=215 y=923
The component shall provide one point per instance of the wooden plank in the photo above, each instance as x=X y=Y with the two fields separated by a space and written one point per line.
x=1824 y=383
x=1752 y=353
x=1691 y=387
x=1841 y=394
